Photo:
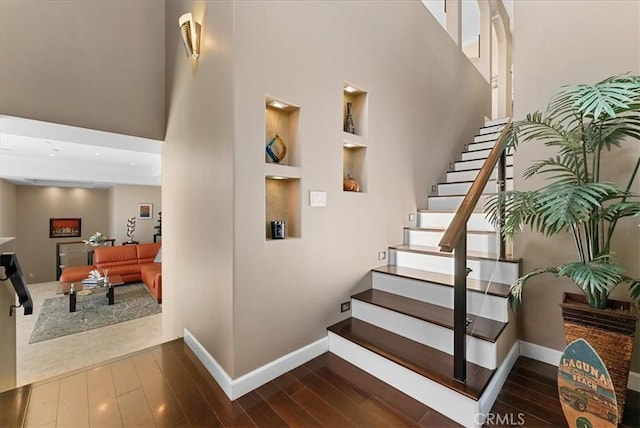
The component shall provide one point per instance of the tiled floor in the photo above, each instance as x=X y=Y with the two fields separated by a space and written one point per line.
x=42 y=360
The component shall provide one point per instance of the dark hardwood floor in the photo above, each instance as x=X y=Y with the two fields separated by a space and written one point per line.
x=167 y=386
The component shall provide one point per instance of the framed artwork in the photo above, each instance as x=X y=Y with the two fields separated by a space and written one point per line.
x=65 y=227
x=145 y=211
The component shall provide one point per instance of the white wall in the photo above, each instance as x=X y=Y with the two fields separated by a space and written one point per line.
x=558 y=43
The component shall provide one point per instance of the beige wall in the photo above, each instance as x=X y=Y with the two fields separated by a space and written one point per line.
x=557 y=43
x=8 y=201
x=249 y=301
x=123 y=204
x=425 y=101
x=8 y=228
x=197 y=183
x=95 y=64
x=35 y=206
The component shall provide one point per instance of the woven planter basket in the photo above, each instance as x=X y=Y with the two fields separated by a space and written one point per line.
x=609 y=331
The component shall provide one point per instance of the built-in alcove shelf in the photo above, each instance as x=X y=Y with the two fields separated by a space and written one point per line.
x=354 y=163
x=282 y=203
x=358 y=98
x=282 y=118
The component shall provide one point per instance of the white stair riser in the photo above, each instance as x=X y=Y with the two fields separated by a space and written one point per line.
x=479 y=352
x=446 y=203
x=480 y=146
x=456 y=176
x=462 y=188
x=476 y=164
x=483 y=305
x=500 y=121
x=475 y=241
x=440 y=220
x=503 y=272
x=440 y=398
x=491 y=137
x=477 y=154
x=491 y=129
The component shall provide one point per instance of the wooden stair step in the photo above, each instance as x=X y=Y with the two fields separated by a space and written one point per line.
x=423 y=360
x=435 y=229
x=481 y=328
x=495 y=289
x=436 y=252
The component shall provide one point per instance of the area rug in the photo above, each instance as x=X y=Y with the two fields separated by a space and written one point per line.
x=132 y=301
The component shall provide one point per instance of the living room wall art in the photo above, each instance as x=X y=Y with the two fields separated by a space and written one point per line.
x=65 y=227
x=145 y=211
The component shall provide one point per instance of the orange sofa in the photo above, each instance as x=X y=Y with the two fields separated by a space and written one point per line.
x=133 y=263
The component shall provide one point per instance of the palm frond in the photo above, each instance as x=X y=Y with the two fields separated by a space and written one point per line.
x=604 y=99
x=517 y=288
x=561 y=205
x=596 y=277
x=619 y=210
x=519 y=207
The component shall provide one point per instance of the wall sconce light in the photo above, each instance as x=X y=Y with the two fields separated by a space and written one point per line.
x=190 y=31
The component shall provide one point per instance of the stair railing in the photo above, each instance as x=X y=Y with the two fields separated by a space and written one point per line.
x=455 y=239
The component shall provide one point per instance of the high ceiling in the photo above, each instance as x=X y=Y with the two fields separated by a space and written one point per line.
x=40 y=153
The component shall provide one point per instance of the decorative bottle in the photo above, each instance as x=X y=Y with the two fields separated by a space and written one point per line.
x=348 y=121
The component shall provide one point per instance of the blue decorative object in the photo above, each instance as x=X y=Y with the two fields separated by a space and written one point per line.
x=280 y=151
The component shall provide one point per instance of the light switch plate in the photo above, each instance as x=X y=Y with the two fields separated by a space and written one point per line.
x=317 y=199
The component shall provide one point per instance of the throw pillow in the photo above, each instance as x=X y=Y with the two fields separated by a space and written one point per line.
x=158 y=258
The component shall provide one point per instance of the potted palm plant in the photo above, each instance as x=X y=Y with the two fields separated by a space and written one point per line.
x=582 y=123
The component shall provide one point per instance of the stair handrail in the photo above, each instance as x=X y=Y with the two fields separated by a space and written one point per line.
x=454 y=231
x=455 y=237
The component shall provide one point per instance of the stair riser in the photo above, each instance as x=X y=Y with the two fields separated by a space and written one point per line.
x=437 y=220
x=500 y=121
x=490 y=137
x=478 y=154
x=483 y=305
x=479 y=351
x=447 y=203
x=456 y=176
x=447 y=189
x=491 y=129
x=505 y=272
x=481 y=145
x=475 y=242
x=442 y=399
x=476 y=164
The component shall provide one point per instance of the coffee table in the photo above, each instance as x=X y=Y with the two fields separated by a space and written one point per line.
x=65 y=288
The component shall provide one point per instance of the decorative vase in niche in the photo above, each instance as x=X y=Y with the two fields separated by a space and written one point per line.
x=348 y=121
x=276 y=149
x=350 y=184
x=277 y=230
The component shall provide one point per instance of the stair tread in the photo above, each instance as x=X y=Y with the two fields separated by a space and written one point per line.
x=432 y=229
x=436 y=251
x=480 y=327
x=457 y=196
x=424 y=360
x=494 y=289
x=441 y=211
x=491 y=180
x=475 y=160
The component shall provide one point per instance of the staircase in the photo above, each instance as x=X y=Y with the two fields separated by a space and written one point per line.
x=401 y=330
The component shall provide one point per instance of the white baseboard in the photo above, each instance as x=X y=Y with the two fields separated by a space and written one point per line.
x=552 y=356
x=490 y=394
x=235 y=388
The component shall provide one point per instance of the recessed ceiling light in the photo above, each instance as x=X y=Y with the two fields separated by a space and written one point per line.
x=350 y=89
x=278 y=104
x=132 y=163
x=96 y=154
x=52 y=155
x=277 y=177
x=350 y=145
